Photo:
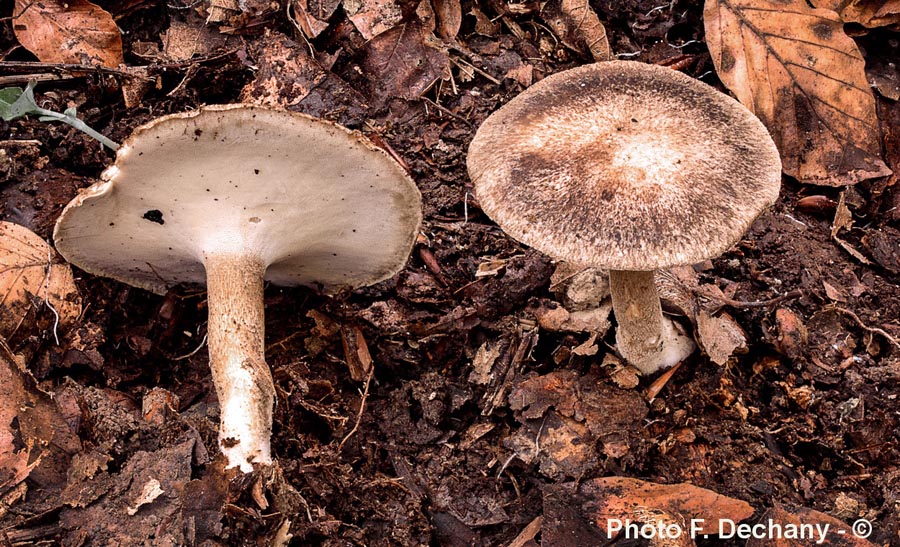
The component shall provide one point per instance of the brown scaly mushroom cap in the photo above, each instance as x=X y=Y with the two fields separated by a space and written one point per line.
x=625 y=166
x=230 y=196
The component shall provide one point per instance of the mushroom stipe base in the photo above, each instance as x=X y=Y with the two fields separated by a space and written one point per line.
x=645 y=338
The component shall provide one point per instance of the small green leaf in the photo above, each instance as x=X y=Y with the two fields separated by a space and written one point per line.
x=16 y=102
x=9 y=95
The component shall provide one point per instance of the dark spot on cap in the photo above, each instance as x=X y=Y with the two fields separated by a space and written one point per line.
x=154 y=215
x=255 y=220
x=256 y=171
x=198 y=132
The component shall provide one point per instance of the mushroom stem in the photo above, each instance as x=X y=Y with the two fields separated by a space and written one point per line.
x=237 y=358
x=644 y=337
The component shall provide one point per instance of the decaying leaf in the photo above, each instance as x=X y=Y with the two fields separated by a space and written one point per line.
x=559 y=319
x=564 y=524
x=149 y=492
x=483 y=363
x=578 y=287
x=618 y=497
x=794 y=67
x=843 y=220
x=578 y=27
x=562 y=446
x=448 y=15
x=373 y=17
x=826 y=530
x=192 y=37
x=288 y=77
x=868 y=13
x=720 y=336
x=74 y=31
x=884 y=74
x=312 y=15
x=152 y=489
x=32 y=276
x=356 y=351
x=402 y=63
x=568 y=414
x=35 y=439
x=883 y=244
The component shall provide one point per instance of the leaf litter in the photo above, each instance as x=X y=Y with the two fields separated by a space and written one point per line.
x=477 y=416
x=794 y=67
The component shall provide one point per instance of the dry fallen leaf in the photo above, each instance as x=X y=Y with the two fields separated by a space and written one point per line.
x=883 y=244
x=559 y=319
x=35 y=440
x=356 y=352
x=868 y=13
x=578 y=27
x=720 y=336
x=402 y=62
x=373 y=17
x=564 y=446
x=617 y=498
x=33 y=276
x=74 y=31
x=449 y=18
x=794 y=67
x=288 y=77
x=843 y=220
x=312 y=15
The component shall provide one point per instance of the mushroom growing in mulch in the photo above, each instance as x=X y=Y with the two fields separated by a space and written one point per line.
x=632 y=168
x=232 y=197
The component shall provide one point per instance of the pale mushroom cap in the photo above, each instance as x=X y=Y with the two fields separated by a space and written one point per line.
x=315 y=202
x=624 y=165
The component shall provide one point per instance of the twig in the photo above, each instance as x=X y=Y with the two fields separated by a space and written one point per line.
x=797 y=293
x=191 y=354
x=460 y=62
x=20 y=14
x=25 y=78
x=47 y=295
x=873 y=330
x=528 y=533
x=661 y=382
x=446 y=111
x=362 y=407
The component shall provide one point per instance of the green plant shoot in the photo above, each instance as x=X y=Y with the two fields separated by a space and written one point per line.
x=16 y=103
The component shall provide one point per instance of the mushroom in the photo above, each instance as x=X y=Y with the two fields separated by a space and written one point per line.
x=232 y=196
x=628 y=167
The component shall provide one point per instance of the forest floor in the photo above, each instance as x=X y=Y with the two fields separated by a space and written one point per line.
x=483 y=415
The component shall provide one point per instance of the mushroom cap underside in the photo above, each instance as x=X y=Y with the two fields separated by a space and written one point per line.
x=624 y=165
x=315 y=202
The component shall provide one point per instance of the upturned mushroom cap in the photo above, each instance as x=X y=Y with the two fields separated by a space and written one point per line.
x=313 y=201
x=624 y=165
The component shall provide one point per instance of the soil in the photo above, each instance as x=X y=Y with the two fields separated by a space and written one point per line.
x=477 y=416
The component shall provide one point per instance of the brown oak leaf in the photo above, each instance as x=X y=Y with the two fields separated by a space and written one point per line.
x=797 y=70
